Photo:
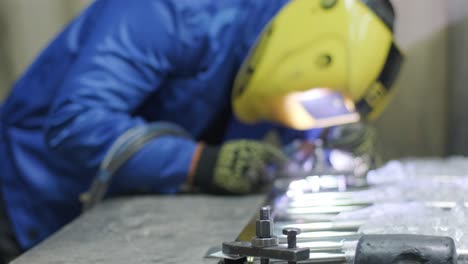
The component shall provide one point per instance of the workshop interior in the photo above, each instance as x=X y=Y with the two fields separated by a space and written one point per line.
x=349 y=142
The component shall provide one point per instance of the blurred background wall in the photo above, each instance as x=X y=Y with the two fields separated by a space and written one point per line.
x=458 y=77
x=428 y=117
x=416 y=123
x=26 y=26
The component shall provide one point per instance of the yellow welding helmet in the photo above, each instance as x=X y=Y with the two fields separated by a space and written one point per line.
x=320 y=63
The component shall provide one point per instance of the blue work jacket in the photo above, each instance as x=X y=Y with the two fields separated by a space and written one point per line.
x=118 y=65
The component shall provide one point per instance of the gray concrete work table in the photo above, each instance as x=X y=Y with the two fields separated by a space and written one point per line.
x=153 y=229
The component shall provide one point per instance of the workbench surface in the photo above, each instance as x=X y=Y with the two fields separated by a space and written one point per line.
x=151 y=229
x=180 y=229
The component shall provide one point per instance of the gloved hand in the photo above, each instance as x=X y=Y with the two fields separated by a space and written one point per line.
x=236 y=167
x=360 y=139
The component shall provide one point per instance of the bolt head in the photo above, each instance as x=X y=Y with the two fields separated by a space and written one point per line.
x=291 y=231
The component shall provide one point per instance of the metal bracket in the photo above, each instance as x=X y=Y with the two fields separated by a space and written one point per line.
x=265 y=245
x=280 y=253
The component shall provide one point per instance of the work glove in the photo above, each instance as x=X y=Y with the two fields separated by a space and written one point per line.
x=359 y=139
x=237 y=167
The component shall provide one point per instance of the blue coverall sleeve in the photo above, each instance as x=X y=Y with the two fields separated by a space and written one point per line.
x=125 y=58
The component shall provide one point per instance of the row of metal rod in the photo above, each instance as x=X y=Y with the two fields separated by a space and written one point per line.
x=314 y=214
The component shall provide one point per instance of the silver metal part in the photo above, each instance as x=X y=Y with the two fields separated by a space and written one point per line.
x=323 y=209
x=264 y=228
x=238 y=248
x=326 y=226
x=265 y=213
x=322 y=246
x=326 y=258
x=291 y=234
x=264 y=242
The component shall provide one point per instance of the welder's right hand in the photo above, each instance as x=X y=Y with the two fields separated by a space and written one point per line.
x=358 y=138
x=236 y=167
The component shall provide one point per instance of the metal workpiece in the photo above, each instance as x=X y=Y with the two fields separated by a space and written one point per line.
x=328 y=202
x=344 y=200
x=282 y=217
x=326 y=225
x=322 y=258
x=322 y=246
x=324 y=209
x=327 y=236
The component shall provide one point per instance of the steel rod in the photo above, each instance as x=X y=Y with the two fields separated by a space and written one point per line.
x=322 y=226
x=324 y=209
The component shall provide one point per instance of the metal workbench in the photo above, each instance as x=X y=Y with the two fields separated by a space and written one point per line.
x=151 y=229
x=177 y=229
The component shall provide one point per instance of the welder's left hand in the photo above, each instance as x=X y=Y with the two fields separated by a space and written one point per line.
x=237 y=167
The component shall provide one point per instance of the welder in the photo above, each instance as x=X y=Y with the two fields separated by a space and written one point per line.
x=212 y=78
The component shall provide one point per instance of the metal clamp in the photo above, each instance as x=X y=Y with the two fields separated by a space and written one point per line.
x=265 y=245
